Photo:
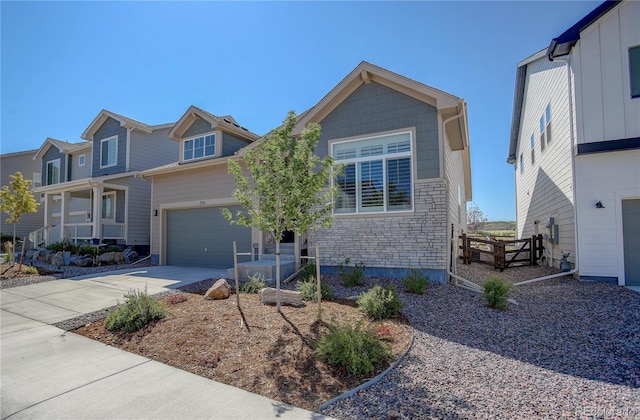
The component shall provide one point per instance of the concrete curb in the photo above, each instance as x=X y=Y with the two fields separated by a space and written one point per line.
x=371 y=381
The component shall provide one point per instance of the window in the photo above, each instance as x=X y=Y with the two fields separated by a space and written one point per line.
x=199 y=147
x=521 y=163
x=533 y=150
x=37 y=179
x=53 y=172
x=377 y=174
x=634 y=71
x=108 y=152
x=542 y=139
x=81 y=160
x=109 y=206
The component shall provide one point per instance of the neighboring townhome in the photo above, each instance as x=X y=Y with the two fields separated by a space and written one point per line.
x=10 y=163
x=187 y=226
x=92 y=191
x=405 y=149
x=575 y=145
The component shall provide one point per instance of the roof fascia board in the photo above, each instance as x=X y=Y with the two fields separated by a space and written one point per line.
x=124 y=122
x=179 y=167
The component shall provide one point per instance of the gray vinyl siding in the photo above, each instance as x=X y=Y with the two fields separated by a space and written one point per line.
x=52 y=154
x=231 y=144
x=199 y=126
x=375 y=108
x=21 y=162
x=81 y=172
x=139 y=205
x=152 y=150
x=110 y=128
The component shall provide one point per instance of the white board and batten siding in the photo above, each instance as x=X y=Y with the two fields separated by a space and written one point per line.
x=545 y=188
x=600 y=61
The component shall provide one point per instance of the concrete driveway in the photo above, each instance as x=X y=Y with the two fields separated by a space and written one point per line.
x=49 y=373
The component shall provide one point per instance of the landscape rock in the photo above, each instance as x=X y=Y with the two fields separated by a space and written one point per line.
x=82 y=261
x=58 y=259
x=28 y=255
x=111 y=258
x=220 y=290
x=129 y=255
x=287 y=297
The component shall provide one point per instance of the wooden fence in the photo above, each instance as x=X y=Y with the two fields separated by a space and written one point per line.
x=501 y=254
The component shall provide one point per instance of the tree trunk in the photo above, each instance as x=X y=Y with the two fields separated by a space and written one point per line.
x=278 y=275
x=13 y=251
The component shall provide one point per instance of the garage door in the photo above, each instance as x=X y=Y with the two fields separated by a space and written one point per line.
x=202 y=237
x=631 y=240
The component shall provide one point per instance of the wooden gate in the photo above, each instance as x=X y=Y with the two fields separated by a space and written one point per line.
x=501 y=254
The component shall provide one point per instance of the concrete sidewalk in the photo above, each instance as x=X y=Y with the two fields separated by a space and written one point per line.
x=49 y=373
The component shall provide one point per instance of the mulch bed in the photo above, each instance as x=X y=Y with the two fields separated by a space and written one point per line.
x=253 y=347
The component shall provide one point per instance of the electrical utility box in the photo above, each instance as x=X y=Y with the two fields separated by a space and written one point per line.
x=554 y=231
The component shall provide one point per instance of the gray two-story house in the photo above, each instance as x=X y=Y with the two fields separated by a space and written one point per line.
x=92 y=191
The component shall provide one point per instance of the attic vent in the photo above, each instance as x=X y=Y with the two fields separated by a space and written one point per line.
x=237 y=125
x=227 y=121
x=244 y=129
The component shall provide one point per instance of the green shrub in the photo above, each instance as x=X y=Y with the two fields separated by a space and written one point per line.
x=308 y=270
x=4 y=238
x=254 y=285
x=496 y=291
x=138 y=310
x=415 y=282
x=380 y=302
x=309 y=289
x=87 y=250
x=63 y=245
x=351 y=276
x=355 y=349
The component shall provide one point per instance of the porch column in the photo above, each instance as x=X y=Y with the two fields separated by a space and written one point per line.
x=48 y=205
x=96 y=212
x=64 y=212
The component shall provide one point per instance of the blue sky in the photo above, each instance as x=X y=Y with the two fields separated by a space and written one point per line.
x=62 y=62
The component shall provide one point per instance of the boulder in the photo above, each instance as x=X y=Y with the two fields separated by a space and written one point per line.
x=287 y=297
x=220 y=290
x=58 y=259
x=111 y=258
x=82 y=261
x=130 y=255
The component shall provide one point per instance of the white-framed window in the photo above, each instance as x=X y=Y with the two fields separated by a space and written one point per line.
x=81 y=160
x=199 y=147
x=109 y=206
x=53 y=172
x=378 y=174
x=109 y=152
x=37 y=180
x=545 y=128
x=521 y=163
x=533 y=150
x=634 y=71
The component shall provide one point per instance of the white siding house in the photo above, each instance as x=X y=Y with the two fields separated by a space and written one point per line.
x=575 y=145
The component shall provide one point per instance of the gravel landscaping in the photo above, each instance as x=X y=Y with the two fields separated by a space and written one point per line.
x=568 y=349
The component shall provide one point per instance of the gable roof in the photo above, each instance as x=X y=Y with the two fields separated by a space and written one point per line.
x=124 y=122
x=226 y=123
x=562 y=45
x=61 y=145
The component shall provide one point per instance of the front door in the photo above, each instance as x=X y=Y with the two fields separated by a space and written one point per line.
x=631 y=241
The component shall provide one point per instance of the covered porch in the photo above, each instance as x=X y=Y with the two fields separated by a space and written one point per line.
x=90 y=212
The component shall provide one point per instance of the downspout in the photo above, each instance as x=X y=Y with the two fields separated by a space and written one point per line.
x=448 y=249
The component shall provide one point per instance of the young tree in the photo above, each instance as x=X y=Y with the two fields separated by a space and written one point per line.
x=16 y=199
x=285 y=189
x=475 y=218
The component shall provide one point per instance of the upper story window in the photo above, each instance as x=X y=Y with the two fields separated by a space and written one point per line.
x=199 y=147
x=634 y=71
x=81 y=160
x=521 y=163
x=377 y=174
x=53 y=172
x=545 y=128
x=108 y=152
x=533 y=150
x=37 y=179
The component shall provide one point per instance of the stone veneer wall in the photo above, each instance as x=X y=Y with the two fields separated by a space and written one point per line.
x=391 y=245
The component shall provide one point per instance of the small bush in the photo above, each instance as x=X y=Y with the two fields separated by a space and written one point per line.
x=27 y=269
x=380 y=302
x=308 y=270
x=63 y=245
x=309 y=290
x=138 y=310
x=415 y=282
x=357 y=350
x=254 y=285
x=496 y=291
x=86 y=250
x=8 y=246
x=351 y=276
x=4 y=238
x=174 y=299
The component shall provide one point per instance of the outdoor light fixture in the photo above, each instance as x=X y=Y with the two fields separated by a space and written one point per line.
x=155 y=213
x=599 y=205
